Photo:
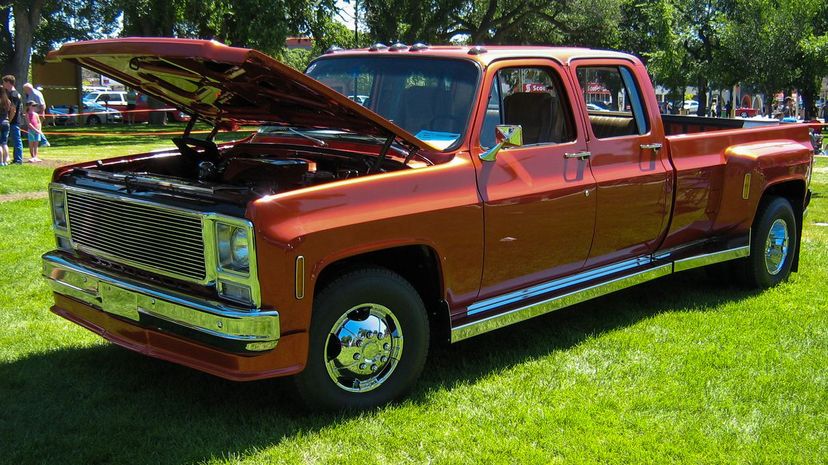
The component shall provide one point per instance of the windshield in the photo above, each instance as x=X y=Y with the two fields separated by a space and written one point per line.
x=430 y=98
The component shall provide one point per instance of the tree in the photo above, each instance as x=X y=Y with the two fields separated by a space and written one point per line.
x=33 y=27
x=652 y=29
x=779 y=45
x=578 y=22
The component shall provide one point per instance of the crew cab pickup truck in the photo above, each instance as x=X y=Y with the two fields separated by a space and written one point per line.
x=396 y=197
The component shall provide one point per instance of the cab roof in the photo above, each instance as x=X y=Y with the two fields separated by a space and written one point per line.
x=486 y=54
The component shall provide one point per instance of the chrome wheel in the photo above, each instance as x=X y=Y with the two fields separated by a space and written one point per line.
x=363 y=348
x=776 y=246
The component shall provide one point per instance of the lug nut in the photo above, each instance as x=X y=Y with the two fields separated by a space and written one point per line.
x=369 y=334
x=362 y=366
x=373 y=368
x=357 y=356
x=386 y=346
x=384 y=358
x=380 y=335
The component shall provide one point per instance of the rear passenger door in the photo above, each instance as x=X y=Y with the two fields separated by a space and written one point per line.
x=539 y=203
x=633 y=177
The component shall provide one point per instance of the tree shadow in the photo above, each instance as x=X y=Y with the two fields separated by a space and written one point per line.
x=103 y=404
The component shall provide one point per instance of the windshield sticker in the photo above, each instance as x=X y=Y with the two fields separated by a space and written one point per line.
x=437 y=139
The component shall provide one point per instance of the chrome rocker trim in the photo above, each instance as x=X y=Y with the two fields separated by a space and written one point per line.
x=258 y=330
x=558 y=302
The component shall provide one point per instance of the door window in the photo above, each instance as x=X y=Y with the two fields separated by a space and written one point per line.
x=532 y=98
x=613 y=101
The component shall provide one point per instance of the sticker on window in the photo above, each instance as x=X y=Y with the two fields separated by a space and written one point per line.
x=437 y=139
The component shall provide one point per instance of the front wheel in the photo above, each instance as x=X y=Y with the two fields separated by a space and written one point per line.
x=93 y=120
x=773 y=244
x=368 y=342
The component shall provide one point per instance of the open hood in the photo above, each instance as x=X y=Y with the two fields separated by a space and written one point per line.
x=217 y=83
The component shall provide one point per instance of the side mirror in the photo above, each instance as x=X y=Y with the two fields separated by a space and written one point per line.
x=506 y=135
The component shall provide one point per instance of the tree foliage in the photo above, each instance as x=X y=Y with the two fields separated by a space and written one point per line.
x=770 y=44
x=779 y=45
x=33 y=27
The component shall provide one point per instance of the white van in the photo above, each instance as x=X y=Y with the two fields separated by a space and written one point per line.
x=110 y=98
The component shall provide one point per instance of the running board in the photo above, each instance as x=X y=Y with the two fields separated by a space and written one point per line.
x=558 y=302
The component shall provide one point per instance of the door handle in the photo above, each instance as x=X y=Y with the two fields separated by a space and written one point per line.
x=578 y=155
x=656 y=146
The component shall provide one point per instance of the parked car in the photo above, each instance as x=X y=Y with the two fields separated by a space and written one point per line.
x=595 y=107
x=746 y=112
x=118 y=101
x=92 y=114
x=142 y=116
x=339 y=242
x=113 y=98
x=691 y=107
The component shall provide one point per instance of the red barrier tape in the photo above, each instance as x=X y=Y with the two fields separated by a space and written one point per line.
x=81 y=134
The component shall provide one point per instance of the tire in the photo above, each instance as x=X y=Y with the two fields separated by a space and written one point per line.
x=773 y=244
x=743 y=114
x=93 y=120
x=349 y=367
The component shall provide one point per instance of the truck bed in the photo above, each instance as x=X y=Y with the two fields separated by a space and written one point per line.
x=679 y=124
x=711 y=165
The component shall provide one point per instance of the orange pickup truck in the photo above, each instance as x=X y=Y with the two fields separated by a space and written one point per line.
x=396 y=197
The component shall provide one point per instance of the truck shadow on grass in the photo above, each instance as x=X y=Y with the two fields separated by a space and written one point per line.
x=104 y=404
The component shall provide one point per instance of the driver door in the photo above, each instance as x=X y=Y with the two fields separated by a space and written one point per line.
x=539 y=202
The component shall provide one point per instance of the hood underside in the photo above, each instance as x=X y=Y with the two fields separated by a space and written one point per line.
x=221 y=84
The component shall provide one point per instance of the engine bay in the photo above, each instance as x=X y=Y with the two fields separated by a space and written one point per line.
x=241 y=171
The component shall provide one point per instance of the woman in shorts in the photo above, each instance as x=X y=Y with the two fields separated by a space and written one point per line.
x=6 y=113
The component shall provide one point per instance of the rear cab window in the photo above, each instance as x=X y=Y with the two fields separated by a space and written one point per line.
x=613 y=101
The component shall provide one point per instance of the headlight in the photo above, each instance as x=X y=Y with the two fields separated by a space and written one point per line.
x=233 y=246
x=238 y=247
x=58 y=199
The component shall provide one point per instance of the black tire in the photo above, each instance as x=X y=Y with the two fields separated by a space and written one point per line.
x=93 y=120
x=350 y=297
x=757 y=267
x=743 y=114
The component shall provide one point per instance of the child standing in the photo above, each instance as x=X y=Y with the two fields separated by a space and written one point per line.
x=35 y=133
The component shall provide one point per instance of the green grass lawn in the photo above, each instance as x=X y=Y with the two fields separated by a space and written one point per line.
x=679 y=370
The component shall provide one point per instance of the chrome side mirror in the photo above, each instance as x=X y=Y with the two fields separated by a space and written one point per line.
x=506 y=135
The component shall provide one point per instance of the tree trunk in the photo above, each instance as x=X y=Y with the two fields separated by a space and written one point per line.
x=808 y=93
x=702 y=111
x=157 y=117
x=25 y=22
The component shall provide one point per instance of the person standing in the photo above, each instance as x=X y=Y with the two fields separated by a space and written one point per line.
x=14 y=120
x=6 y=112
x=131 y=98
x=36 y=96
x=35 y=132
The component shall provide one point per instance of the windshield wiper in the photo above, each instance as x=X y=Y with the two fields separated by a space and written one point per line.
x=318 y=142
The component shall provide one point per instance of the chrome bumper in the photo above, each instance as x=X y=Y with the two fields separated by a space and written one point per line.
x=255 y=330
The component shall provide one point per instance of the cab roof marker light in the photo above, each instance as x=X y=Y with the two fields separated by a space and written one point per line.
x=397 y=47
x=377 y=47
x=332 y=49
x=477 y=50
x=417 y=47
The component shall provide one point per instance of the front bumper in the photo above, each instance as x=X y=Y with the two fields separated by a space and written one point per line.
x=212 y=323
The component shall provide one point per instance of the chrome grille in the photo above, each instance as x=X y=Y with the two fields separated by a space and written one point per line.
x=161 y=240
